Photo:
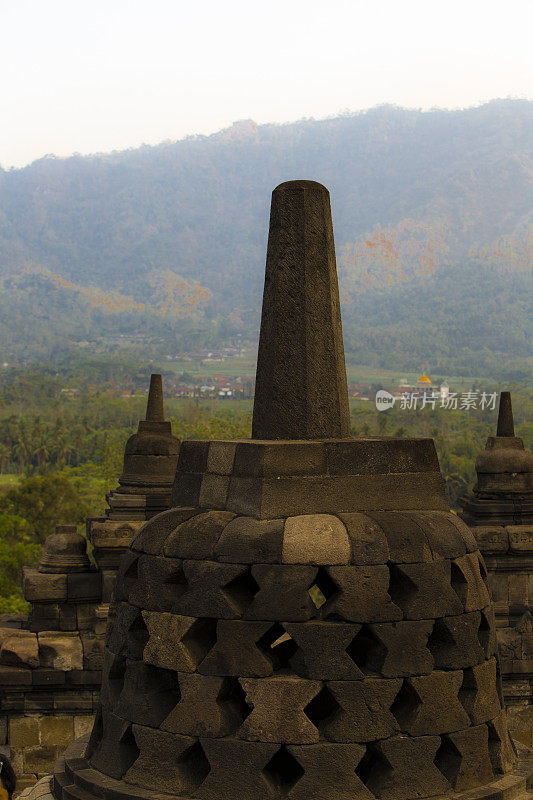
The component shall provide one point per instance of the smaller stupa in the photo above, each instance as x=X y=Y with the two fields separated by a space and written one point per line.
x=150 y=461
x=503 y=493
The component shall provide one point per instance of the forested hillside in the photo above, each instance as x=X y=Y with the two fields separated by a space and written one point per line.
x=433 y=217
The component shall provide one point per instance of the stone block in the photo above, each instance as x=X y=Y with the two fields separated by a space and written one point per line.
x=401 y=768
x=40 y=587
x=368 y=541
x=85 y=616
x=468 y=582
x=40 y=758
x=520 y=538
x=323 y=650
x=403 y=648
x=260 y=459
x=19 y=649
x=213 y=491
x=241 y=649
x=3 y=730
x=177 y=642
x=84 y=587
x=238 y=770
x=68 y=619
x=24 y=731
x=463 y=758
x=282 y=592
x=83 y=725
x=429 y=704
x=487 y=632
x=315 y=539
x=39 y=702
x=361 y=595
x=479 y=692
x=406 y=537
x=93 y=651
x=446 y=538
x=424 y=591
x=186 y=765
x=518 y=590
x=466 y=532
x=60 y=650
x=278 y=710
x=220 y=591
x=220 y=457
x=45 y=617
x=491 y=539
x=153 y=534
x=154 y=582
x=251 y=541
x=356 y=711
x=15 y=676
x=148 y=694
x=327 y=771
x=209 y=706
x=269 y=498
x=57 y=731
x=193 y=456
x=186 y=490
x=454 y=641
x=197 y=537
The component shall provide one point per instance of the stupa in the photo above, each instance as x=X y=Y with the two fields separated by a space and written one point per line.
x=309 y=621
x=503 y=493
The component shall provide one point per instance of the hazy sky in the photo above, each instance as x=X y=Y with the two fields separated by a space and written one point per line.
x=109 y=74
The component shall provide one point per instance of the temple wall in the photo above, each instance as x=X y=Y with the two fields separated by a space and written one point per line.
x=508 y=553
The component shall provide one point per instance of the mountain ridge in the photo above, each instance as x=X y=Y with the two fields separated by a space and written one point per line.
x=415 y=195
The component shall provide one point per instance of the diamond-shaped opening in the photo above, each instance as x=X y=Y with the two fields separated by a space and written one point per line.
x=440 y=641
x=366 y=651
x=137 y=637
x=448 y=760
x=322 y=708
x=156 y=693
x=242 y=589
x=115 y=678
x=177 y=581
x=323 y=588
x=484 y=632
x=233 y=695
x=468 y=691
x=402 y=589
x=459 y=582
x=283 y=771
x=200 y=638
x=374 y=771
x=130 y=578
x=406 y=704
x=128 y=752
x=483 y=571
x=193 y=766
x=278 y=646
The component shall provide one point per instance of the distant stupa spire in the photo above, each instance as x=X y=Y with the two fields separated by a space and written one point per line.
x=505 y=416
x=154 y=407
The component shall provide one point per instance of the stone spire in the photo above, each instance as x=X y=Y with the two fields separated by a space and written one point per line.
x=505 y=416
x=300 y=390
x=503 y=493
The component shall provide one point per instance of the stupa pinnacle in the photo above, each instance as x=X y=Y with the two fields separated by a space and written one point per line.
x=309 y=622
x=301 y=390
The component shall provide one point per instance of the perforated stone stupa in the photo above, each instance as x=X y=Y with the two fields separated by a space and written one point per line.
x=309 y=621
